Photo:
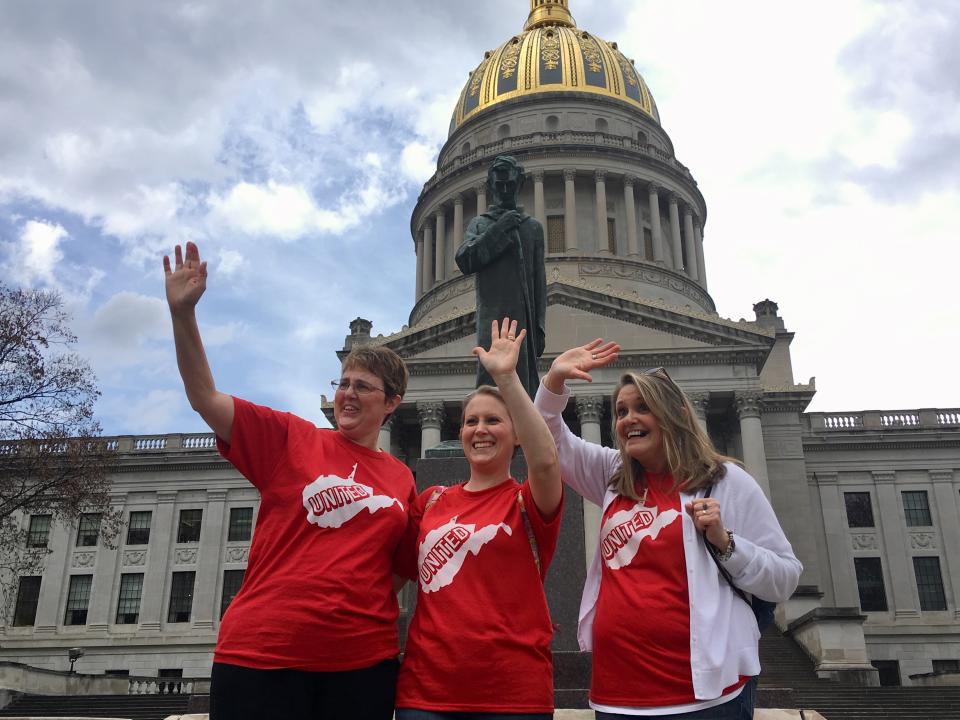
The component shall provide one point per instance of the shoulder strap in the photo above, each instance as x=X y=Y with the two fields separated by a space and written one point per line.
x=432 y=500
x=723 y=571
x=530 y=535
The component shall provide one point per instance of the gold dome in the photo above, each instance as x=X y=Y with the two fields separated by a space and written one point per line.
x=552 y=55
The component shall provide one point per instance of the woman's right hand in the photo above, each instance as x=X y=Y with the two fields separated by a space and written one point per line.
x=188 y=279
x=576 y=363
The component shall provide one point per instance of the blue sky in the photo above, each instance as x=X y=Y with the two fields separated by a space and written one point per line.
x=290 y=141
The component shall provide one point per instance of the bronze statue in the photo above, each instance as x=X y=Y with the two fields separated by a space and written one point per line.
x=504 y=248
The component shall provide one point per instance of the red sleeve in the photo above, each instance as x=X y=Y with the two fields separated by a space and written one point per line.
x=405 y=556
x=258 y=439
x=545 y=530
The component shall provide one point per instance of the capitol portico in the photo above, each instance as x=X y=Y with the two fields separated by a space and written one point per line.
x=870 y=500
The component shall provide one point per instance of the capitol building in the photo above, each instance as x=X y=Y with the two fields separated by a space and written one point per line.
x=870 y=499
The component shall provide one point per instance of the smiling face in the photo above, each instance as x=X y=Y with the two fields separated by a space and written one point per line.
x=638 y=430
x=359 y=415
x=487 y=433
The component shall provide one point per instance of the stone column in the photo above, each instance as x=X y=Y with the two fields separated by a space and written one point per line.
x=539 y=203
x=690 y=242
x=205 y=607
x=570 y=210
x=944 y=498
x=457 y=231
x=55 y=578
x=751 y=437
x=102 y=592
x=481 y=190
x=158 y=553
x=419 y=264
x=675 y=234
x=428 y=279
x=700 y=402
x=589 y=410
x=701 y=263
x=431 y=420
x=384 y=439
x=657 y=231
x=838 y=541
x=600 y=189
x=440 y=254
x=633 y=247
x=902 y=589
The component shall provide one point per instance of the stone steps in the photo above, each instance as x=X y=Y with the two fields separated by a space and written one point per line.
x=129 y=707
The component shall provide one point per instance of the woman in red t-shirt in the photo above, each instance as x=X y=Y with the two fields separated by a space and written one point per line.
x=670 y=636
x=479 y=642
x=312 y=632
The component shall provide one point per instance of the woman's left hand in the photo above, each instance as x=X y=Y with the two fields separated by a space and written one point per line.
x=501 y=358
x=706 y=518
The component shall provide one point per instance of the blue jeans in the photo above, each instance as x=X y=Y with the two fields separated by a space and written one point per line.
x=740 y=708
x=409 y=714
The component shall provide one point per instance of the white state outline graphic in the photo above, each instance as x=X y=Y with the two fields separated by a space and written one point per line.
x=451 y=545
x=638 y=522
x=339 y=500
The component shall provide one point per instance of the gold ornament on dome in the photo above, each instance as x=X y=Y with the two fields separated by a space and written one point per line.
x=477 y=78
x=511 y=56
x=591 y=52
x=550 y=50
x=629 y=74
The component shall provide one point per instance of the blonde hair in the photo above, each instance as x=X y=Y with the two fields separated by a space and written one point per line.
x=690 y=455
x=482 y=390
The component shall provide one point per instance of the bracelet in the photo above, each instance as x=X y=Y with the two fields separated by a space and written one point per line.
x=731 y=546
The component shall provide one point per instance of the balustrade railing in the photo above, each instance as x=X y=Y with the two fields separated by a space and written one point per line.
x=167 y=686
x=926 y=419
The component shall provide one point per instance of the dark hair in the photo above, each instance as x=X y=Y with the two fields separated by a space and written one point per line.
x=382 y=362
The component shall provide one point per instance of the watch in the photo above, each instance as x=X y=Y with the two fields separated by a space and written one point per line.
x=731 y=546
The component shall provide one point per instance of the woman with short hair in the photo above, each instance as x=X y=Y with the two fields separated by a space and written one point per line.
x=670 y=636
x=312 y=632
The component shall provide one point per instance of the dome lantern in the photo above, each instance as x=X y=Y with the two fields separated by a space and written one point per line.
x=549 y=12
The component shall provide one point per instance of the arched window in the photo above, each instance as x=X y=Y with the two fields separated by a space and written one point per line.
x=642 y=138
x=465 y=148
x=553 y=122
x=503 y=132
x=602 y=125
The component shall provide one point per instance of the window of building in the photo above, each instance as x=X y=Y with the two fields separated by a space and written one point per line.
x=642 y=138
x=929 y=583
x=138 y=529
x=916 y=508
x=556 y=240
x=189 y=528
x=39 y=533
x=89 y=529
x=648 y=243
x=117 y=673
x=128 y=604
x=946 y=666
x=28 y=596
x=859 y=509
x=503 y=132
x=602 y=125
x=78 y=600
x=170 y=673
x=181 y=597
x=889 y=672
x=232 y=580
x=241 y=523
x=553 y=122
x=612 y=235
x=873 y=595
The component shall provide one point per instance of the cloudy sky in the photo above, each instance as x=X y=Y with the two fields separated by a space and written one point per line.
x=290 y=139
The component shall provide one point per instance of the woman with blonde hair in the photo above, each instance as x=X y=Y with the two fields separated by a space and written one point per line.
x=685 y=533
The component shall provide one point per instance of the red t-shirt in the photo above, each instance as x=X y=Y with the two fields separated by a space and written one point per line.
x=641 y=631
x=317 y=594
x=480 y=636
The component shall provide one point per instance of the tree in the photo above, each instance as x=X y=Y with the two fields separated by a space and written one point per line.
x=52 y=459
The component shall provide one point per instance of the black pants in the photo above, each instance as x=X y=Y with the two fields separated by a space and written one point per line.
x=239 y=693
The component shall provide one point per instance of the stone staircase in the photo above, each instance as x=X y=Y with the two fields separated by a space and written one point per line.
x=129 y=707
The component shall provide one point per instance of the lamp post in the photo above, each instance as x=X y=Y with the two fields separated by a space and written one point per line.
x=74 y=654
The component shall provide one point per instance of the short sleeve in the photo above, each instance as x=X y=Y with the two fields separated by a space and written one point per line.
x=258 y=440
x=405 y=556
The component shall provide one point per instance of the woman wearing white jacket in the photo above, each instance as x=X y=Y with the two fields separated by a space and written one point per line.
x=669 y=635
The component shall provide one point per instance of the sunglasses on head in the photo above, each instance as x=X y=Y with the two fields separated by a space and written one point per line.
x=660 y=371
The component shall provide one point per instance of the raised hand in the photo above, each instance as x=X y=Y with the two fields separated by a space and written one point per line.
x=576 y=363
x=501 y=358
x=188 y=279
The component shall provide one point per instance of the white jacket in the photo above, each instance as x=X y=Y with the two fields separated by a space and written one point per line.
x=723 y=630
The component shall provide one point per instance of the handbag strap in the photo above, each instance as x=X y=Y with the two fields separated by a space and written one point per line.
x=723 y=571
x=530 y=536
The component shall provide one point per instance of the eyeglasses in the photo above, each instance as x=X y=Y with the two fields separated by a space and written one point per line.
x=359 y=386
x=662 y=371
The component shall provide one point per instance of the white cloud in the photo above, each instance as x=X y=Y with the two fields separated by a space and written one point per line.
x=149 y=414
x=285 y=211
x=39 y=252
x=418 y=161
x=230 y=263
